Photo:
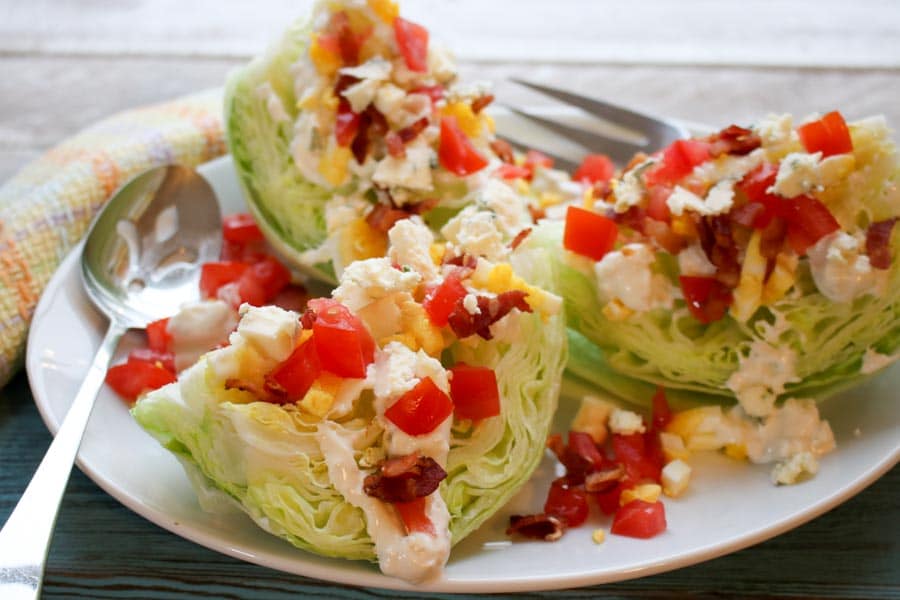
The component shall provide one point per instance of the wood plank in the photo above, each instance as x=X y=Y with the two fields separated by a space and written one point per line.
x=821 y=33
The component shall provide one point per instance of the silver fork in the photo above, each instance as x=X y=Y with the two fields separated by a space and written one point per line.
x=633 y=132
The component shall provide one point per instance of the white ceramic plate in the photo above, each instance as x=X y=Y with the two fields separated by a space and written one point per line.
x=729 y=505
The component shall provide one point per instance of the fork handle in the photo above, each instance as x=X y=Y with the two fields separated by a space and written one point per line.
x=25 y=538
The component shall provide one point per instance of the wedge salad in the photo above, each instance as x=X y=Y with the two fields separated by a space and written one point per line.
x=739 y=276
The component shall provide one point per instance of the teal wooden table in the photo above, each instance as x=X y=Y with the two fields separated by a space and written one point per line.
x=103 y=550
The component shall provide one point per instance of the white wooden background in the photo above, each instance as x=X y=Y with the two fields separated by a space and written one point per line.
x=67 y=63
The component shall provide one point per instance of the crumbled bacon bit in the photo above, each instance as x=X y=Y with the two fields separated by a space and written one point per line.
x=536 y=212
x=408 y=134
x=878 y=243
x=382 y=217
x=503 y=150
x=404 y=478
x=466 y=261
x=601 y=190
x=481 y=103
x=520 y=237
x=721 y=249
x=490 y=310
x=372 y=126
x=539 y=527
x=604 y=479
x=342 y=83
x=270 y=392
x=734 y=140
x=771 y=238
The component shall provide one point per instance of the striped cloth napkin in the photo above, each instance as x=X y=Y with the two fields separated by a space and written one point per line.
x=46 y=208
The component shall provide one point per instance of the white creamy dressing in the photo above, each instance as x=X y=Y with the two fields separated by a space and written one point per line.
x=475 y=232
x=626 y=275
x=803 y=173
x=761 y=377
x=198 y=328
x=364 y=281
x=841 y=269
x=718 y=200
x=410 y=243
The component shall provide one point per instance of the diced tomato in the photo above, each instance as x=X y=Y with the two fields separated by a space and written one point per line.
x=346 y=123
x=440 y=301
x=435 y=92
x=508 y=171
x=609 y=501
x=296 y=374
x=130 y=379
x=456 y=153
x=262 y=281
x=594 y=168
x=707 y=298
x=214 y=275
x=808 y=221
x=829 y=135
x=639 y=519
x=412 y=40
x=158 y=336
x=567 y=503
x=678 y=160
x=583 y=444
x=757 y=182
x=240 y=228
x=414 y=516
x=658 y=203
x=633 y=453
x=474 y=392
x=166 y=359
x=662 y=414
x=421 y=409
x=292 y=297
x=762 y=206
x=344 y=345
x=589 y=234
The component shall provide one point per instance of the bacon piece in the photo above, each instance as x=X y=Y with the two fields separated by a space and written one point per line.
x=520 y=237
x=718 y=243
x=408 y=134
x=503 y=150
x=372 y=126
x=404 y=478
x=466 y=261
x=342 y=83
x=538 y=527
x=734 y=140
x=382 y=217
x=490 y=310
x=536 y=213
x=771 y=238
x=481 y=103
x=270 y=392
x=604 y=479
x=878 y=243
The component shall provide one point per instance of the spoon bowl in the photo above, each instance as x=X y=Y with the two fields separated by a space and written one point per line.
x=140 y=262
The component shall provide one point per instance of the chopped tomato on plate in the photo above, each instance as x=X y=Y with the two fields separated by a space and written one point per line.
x=474 y=392
x=421 y=409
x=588 y=233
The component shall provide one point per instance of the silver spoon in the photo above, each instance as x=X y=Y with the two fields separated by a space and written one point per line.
x=140 y=262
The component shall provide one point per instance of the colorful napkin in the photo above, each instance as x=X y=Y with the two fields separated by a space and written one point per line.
x=46 y=208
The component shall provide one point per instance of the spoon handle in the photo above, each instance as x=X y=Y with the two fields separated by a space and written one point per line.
x=25 y=538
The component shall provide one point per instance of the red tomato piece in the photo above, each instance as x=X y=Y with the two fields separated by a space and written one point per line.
x=632 y=451
x=296 y=374
x=829 y=135
x=414 y=517
x=640 y=519
x=292 y=297
x=421 y=409
x=456 y=153
x=609 y=501
x=508 y=171
x=808 y=221
x=594 y=168
x=583 y=444
x=762 y=206
x=348 y=43
x=658 y=203
x=158 y=336
x=214 y=275
x=412 y=40
x=240 y=228
x=589 y=234
x=166 y=359
x=346 y=123
x=474 y=392
x=262 y=281
x=678 y=160
x=130 y=379
x=567 y=503
x=707 y=298
x=440 y=301
x=344 y=345
x=662 y=414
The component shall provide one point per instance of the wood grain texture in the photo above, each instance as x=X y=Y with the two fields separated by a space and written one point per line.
x=103 y=550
